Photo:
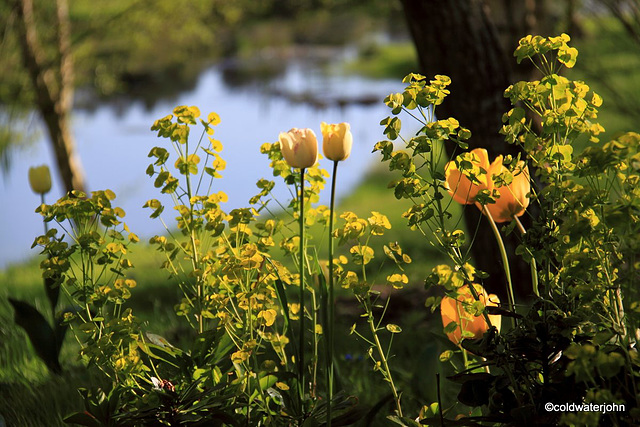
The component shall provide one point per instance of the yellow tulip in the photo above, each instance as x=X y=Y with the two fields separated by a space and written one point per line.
x=460 y=186
x=336 y=141
x=513 y=198
x=40 y=179
x=458 y=311
x=299 y=147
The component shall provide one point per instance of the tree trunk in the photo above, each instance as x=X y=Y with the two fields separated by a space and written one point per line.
x=53 y=86
x=458 y=38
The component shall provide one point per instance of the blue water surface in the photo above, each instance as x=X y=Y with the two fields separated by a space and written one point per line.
x=113 y=144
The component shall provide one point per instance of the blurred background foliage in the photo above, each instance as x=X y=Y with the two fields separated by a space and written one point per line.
x=151 y=50
x=130 y=49
x=122 y=44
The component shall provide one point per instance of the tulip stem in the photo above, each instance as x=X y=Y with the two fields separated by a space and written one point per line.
x=301 y=368
x=46 y=227
x=330 y=302
x=505 y=262
x=533 y=264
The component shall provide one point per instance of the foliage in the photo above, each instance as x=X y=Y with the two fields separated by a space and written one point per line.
x=254 y=332
x=111 y=59
x=239 y=361
x=574 y=343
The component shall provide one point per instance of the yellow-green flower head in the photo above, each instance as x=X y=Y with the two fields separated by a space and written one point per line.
x=299 y=147
x=40 y=179
x=336 y=141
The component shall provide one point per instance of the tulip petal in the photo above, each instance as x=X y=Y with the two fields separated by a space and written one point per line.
x=336 y=141
x=456 y=310
x=40 y=179
x=299 y=147
x=513 y=200
x=460 y=184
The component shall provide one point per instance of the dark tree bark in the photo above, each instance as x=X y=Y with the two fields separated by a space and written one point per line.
x=53 y=86
x=458 y=38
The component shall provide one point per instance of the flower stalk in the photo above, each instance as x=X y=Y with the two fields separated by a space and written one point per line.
x=337 y=141
x=301 y=368
x=331 y=299
x=533 y=264
x=505 y=261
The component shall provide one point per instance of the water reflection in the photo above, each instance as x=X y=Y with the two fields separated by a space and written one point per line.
x=113 y=141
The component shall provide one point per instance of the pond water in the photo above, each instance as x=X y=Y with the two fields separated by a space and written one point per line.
x=113 y=143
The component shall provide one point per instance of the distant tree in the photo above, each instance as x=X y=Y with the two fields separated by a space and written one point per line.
x=116 y=48
x=51 y=75
x=628 y=13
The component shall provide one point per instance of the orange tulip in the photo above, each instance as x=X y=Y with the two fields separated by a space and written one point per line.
x=514 y=197
x=336 y=141
x=299 y=147
x=464 y=187
x=458 y=311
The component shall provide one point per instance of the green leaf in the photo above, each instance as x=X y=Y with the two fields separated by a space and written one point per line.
x=40 y=333
x=160 y=154
x=267 y=381
x=392 y=127
x=394 y=329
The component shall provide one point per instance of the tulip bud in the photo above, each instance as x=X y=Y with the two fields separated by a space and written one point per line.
x=513 y=198
x=336 y=141
x=40 y=179
x=299 y=147
x=459 y=184
x=458 y=310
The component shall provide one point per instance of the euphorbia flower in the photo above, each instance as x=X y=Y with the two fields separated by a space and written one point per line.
x=336 y=141
x=299 y=147
x=462 y=188
x=514 y=197
x=459 y=311
x=40 y=179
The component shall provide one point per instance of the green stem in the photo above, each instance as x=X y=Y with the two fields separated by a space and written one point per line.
x=46 y=227
x=534 y=266
x=329 y=325
x=505 y=262
x=194 y=251
x=384 y=361
x=301 y=269
x=314 y=334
